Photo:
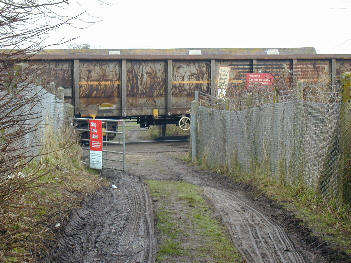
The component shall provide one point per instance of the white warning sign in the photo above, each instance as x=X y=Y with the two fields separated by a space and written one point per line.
x=96 y=160
x=223 y=81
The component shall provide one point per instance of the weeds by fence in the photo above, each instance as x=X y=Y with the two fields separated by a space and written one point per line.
x=41 y=195
x=26 y=115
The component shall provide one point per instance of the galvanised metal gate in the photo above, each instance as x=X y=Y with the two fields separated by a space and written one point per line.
x=114 y=140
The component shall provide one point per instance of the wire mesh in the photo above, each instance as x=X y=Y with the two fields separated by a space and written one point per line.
x=289 y=130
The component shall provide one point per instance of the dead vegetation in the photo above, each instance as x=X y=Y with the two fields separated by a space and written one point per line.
x=36 y=188
x=55 y=183
x=24 y=27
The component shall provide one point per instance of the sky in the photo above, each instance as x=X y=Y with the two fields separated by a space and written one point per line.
x=126 y=24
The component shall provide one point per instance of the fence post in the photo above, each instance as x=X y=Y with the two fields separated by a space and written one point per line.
x=124 y=145
x=276 y=96
x=299 y=90
x=345 y=139
x=193 y=126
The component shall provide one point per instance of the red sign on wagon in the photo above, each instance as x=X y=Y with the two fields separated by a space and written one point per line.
x=259 y=80
x=95 y=127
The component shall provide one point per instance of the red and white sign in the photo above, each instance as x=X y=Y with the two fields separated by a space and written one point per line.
x=259 y=80
x=96 y=140
x=95 y=127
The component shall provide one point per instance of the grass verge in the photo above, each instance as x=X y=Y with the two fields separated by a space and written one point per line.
x=188 y=230
x=57 y=182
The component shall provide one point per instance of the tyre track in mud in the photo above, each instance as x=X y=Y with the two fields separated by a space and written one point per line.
x=258 y=237
x=114 y=225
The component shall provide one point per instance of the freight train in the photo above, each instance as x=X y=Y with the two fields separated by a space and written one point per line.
x=156 y=87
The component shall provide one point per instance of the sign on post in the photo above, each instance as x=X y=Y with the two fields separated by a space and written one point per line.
x=95 y=127
x=259 y=80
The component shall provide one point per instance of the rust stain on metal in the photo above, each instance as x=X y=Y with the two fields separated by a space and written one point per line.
x=146 y=87
x=316 y=71
x=313 y=78
x=188 y=77
x=99 y=79
x=237 y=75
x=99 y=84
x=236 y=86
x=59 y=72
x=280 y=70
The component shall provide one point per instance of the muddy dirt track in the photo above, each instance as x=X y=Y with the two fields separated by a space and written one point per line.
x=116 y=225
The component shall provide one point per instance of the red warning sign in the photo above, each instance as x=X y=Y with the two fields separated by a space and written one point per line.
x=95 y=127
x=259 y=80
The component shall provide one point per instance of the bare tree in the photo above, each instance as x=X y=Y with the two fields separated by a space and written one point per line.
x=25 y=26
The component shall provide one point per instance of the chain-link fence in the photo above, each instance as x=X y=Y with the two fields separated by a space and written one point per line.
x=26 y=113
x=294 y=135
x=48 y=110
x=45 y=109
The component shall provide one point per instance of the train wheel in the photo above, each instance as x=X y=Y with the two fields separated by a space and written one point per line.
x=184 y=123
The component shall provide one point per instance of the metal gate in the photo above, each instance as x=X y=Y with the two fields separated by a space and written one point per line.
x=114 y=140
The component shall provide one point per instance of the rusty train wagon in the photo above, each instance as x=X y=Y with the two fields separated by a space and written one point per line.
x=157 y=86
